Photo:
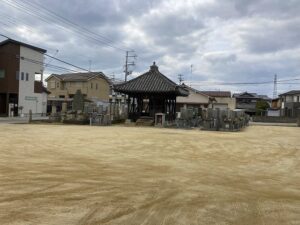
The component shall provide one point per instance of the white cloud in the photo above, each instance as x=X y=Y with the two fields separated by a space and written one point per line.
x=226 y=41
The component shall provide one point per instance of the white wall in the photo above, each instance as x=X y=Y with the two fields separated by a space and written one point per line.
x=296 y=97
x=193 y=98
x=27 y=98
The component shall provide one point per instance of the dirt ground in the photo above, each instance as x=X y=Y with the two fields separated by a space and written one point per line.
x=61 y=175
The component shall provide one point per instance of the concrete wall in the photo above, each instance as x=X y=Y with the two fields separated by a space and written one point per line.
x=27 y=98
x=193 y=98
x=273 y=119
x=231 y=102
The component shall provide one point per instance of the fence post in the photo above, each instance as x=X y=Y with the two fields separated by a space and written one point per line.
x=30 y=116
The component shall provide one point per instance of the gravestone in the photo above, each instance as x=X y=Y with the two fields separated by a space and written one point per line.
x=78 y=101
x=64 y=107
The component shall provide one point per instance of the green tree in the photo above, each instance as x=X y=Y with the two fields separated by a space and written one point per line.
x=261 y=107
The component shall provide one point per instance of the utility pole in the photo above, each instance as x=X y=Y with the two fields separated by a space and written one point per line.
x=129 y=54
x=180 y=78
x=113 y=76
x=90 y=65
x=275 y=87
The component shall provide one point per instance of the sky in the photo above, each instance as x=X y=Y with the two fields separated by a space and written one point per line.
x=227 y=42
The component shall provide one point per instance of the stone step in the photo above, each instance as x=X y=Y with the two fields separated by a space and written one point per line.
x=145 y=121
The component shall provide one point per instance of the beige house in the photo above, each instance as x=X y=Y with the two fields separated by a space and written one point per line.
x=206 y=99
x=95 y=86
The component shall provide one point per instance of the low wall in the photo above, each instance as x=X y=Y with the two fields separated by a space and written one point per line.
x=274 y=119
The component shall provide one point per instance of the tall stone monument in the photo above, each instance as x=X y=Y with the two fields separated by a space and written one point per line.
x=78 y=101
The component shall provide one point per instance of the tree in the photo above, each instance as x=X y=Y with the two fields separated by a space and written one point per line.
x=261 y=107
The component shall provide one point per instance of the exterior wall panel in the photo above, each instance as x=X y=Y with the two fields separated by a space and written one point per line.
x=27 y=98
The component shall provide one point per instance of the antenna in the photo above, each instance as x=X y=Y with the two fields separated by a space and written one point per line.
x=90 y=65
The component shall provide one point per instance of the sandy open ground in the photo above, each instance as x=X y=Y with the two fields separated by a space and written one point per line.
x=51 y=174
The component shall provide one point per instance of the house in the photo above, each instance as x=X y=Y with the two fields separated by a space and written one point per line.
x=21 y=75
x=206 y=99
x=247 y=101
x=95 y=86
x=290 y=103
x=195 y=99
x=275 y=109
x=222 y=99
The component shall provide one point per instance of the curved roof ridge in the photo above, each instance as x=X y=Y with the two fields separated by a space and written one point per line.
x=152 y=81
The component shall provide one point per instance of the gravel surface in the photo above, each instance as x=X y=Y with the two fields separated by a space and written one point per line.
x=61 y=175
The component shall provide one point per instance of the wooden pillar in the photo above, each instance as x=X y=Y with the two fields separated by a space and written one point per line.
x=128 y=106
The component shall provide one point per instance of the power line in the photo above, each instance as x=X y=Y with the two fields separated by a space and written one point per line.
x=43 y=64
x=62 y=61
x=39 y=6
x=204 y=83
x=63 y=24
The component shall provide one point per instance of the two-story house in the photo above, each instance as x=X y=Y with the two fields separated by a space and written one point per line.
x=20 y=91
x=95 y=86
x=290 y=103
x=247 y=101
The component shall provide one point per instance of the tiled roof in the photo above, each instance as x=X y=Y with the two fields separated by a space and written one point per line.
x=251 y=96
x=151 y=82
x=22 y=44
x=245 y=95
x=79 y=76
x=293 y=92
x=224 y=94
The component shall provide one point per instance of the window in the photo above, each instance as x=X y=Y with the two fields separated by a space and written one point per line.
x=298 y=98
x=17 y=75
x=27 y=76
x=2 y=73
x=57 y=85
x=38 y=76
x=91 y=85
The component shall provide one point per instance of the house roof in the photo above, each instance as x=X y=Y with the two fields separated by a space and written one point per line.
x=293 y=92
x=7 y=41
x=70 y=77
x=222 y=94
x=151 y=82
x=251 y=95
x=245 y=94
x=193 y=90
x=40 y=88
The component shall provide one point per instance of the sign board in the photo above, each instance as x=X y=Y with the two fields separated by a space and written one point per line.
x=2 y=73
x=30 y=98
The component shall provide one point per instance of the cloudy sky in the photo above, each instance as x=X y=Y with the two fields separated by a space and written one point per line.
x=226 y=41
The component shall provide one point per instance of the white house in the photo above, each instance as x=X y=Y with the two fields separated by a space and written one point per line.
x=22 y=73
